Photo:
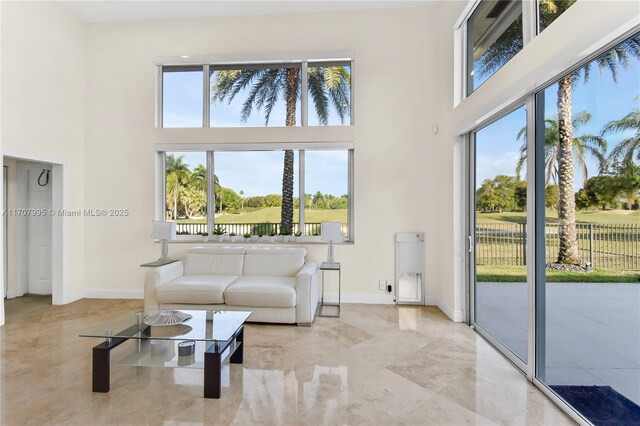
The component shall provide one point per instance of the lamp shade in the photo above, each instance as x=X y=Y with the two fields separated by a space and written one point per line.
x=163 y=230
x=331 y=231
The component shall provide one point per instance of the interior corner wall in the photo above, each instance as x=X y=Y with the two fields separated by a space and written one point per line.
x=43 y=86
x=402 y=175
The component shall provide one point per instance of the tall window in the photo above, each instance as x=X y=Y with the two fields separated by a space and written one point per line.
x=249 y=193
x=257 y=94
x=589 y=293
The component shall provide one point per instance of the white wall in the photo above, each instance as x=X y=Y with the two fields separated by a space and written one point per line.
x=400 y=177
x=43 y=86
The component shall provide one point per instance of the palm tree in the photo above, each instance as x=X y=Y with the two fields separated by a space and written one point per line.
x=500 y=52
x=327 y=86
x=610 y=60
x=592 y=145
x=177 y=174
x=629 y=148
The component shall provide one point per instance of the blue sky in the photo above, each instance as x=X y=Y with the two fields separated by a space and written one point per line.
x=260 y=172
x=606 y=100
x=182 y=106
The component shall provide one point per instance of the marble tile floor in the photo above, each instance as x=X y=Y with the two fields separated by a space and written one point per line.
x=376 y=365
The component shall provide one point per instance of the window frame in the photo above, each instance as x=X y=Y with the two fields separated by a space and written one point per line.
x=209 y=63
x=210 y=150
x=530 y=29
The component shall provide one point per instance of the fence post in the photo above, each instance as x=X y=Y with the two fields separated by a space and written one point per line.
x=591 y=244
x=524 y=243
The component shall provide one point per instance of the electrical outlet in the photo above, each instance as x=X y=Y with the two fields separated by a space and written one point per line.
x=382 y=285
x=389 y=286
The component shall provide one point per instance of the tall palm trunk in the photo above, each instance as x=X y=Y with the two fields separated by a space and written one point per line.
x=286 y=214
x=568 y=251
x=175 y=202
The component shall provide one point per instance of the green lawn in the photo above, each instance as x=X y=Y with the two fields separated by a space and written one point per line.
x=596 y=216
x=272 y=215
x=519 y=274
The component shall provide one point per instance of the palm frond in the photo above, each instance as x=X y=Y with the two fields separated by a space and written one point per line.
x=318 y=94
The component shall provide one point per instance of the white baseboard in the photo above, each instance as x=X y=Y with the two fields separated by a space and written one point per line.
x=364 y=298
x=367 y=299
x=72 y=298
x=455 y=316
x=113 y=294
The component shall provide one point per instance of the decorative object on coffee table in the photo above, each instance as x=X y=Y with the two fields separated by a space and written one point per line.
x=166 y=318
x=186 y=348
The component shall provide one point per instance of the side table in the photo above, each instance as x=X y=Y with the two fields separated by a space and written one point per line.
x=324 y=267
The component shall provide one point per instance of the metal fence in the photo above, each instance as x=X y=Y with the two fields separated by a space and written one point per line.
x=603 y=245
x=245 y=228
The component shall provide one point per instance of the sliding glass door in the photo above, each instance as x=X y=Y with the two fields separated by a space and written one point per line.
x=498 y=242
x=588 y=288
x=555 y=270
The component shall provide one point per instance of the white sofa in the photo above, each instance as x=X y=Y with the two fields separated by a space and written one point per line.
x=275 y=283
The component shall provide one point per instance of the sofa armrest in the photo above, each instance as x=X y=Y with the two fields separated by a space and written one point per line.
x=307 y=293
x=156 y=277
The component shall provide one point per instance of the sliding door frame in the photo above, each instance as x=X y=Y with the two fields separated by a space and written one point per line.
x=536 y=276
x=525 y=367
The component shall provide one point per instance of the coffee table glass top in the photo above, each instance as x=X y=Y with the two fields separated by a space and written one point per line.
x=206 y=326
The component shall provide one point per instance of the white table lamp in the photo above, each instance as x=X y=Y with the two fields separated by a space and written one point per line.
x=163 y=231
x=331 y=231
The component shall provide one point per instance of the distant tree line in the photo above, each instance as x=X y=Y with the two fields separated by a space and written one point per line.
x=617 y=188
x=186 y=194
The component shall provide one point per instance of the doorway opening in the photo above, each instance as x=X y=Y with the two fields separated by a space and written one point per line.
x=32 y=192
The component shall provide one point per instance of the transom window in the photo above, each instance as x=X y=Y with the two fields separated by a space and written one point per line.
x=314 y=93
x=496 y=30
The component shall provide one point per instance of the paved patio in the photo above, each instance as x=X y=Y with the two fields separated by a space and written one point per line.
x=592 y=333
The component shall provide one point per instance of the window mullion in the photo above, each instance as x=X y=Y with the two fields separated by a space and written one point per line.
x=304 y=96
x=160 y=102
x=161 y=185
x=211 y=206
x=351 y=215
x=301 y=199
x=206 y=96
x=529 y=20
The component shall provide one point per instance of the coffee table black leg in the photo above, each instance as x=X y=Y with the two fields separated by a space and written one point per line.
x=238 y=355
x=212 y=372
x=101 y=370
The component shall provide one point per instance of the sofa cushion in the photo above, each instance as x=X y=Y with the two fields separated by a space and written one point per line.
x=214 y=261
x=200 y=289
x=273 y=261
x=262 y=291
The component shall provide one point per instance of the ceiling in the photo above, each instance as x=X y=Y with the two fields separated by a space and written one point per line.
x=141 y=10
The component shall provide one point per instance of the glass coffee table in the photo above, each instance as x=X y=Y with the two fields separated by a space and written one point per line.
x=205 y=340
